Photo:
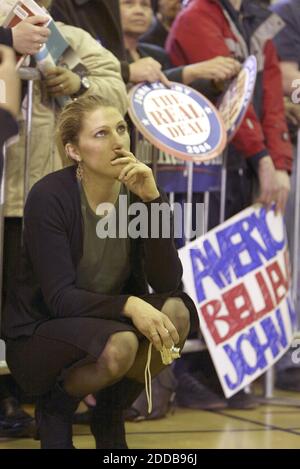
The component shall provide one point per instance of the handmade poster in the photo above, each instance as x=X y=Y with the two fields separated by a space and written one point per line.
x=239 y=277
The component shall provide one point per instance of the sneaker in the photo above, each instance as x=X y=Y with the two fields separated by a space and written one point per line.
x=193 y=394
x=242 y=400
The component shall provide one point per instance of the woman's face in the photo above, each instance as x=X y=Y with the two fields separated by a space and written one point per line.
x=103 y=131
x=136 y=16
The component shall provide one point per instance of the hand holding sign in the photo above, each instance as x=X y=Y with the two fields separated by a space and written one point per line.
x=29 y=35
x=234 y=103
x=147 y=69
x=217 y=69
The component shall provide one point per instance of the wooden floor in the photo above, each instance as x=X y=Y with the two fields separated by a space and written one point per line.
x=267 y=427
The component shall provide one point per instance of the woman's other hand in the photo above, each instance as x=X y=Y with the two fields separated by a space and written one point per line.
x=151 y=322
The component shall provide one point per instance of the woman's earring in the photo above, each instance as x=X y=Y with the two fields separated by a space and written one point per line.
x=79 y=171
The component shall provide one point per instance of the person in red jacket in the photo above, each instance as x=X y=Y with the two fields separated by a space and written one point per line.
x=238 y=28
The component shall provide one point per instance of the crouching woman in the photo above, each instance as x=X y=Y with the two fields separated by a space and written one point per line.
x=80 y=318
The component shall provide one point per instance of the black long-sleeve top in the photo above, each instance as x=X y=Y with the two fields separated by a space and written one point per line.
x=52 y=247
x=6 y=36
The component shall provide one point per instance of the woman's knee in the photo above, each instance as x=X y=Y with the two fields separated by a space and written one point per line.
x=119 y=354
x=176 y=310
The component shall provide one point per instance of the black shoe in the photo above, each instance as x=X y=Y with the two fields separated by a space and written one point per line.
x=108 y=425
x=16 y=429
x=14 y=421
x=107 y=422
x=54 y=413
x=10 y=409
x=193 y=394
x=288 y=380
x=243 y=401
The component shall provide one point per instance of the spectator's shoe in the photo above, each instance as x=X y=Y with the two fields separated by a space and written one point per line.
x=17 y=429
x=288 y=380
x=242 y=401
x=10 y=410
x=194 y=394
x=14 y=421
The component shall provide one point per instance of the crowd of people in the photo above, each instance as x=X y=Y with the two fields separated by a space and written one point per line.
x=77 y=315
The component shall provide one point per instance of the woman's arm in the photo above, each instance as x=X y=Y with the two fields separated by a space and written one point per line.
x=6 y=36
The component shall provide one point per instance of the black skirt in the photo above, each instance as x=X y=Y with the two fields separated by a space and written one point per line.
x=60 y=344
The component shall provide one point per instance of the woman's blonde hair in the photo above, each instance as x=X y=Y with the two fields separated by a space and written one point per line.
x=71 y=118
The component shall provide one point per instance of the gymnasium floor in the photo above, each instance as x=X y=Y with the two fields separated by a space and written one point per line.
x=267 y=427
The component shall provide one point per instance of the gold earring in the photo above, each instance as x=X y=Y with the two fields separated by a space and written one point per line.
x=79 y=171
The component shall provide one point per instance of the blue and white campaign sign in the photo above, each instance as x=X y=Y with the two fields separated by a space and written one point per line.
x=234 y=103
x=239 y=277
x=172 y=173
x=177 y=120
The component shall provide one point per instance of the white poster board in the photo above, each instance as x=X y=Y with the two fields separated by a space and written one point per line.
x=239 y=277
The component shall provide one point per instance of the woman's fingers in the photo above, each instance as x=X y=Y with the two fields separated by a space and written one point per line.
x=133 y=170
x=172 y=330
x=124 y=160
x=154 y=337
x=126 y=170
x=164 y=80
x=164 y=336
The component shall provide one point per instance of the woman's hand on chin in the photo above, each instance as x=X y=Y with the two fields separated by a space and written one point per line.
x=136 y=176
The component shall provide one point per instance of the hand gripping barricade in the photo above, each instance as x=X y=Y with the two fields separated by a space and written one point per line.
x=30 y=75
